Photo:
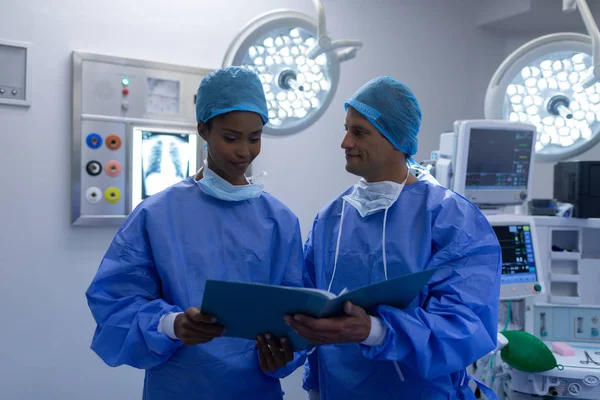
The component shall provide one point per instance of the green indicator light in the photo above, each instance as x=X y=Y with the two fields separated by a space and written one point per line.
x=125 y=81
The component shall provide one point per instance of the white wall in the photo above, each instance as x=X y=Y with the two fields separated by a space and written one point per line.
x=46 y=264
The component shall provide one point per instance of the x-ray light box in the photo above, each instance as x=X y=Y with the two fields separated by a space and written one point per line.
x=134 y=133
x=159 y=159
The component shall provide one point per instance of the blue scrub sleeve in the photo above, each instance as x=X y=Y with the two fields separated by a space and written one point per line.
x=298 y=361
x=125 y=300
x=310 y=379
x=288 y=261
x=456 y=323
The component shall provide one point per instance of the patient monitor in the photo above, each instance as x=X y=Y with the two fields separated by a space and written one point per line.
x=521 y=261
x=488 y=161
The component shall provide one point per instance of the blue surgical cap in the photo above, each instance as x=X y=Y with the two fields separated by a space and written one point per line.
x=230 y=89
x=392 y=108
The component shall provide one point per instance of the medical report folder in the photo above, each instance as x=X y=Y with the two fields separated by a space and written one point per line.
x=249 y=309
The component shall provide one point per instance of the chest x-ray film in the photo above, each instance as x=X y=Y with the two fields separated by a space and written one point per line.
x=160 y=159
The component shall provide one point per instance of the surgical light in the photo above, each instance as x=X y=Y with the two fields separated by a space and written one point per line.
x=552 y=83
x=297 y=62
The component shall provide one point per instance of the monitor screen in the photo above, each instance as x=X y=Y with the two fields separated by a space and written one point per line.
x=498 y=159
x=518 y=261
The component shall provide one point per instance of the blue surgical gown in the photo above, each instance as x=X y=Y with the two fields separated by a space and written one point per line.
x=452 y=323
x=159 y=262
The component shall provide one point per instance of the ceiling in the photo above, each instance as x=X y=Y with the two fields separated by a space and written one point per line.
x=535 y=17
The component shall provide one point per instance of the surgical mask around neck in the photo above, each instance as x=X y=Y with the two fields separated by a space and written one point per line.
x=371 y=197
x=215 y=186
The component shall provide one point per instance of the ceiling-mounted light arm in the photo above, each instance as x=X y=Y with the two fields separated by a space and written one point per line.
x=592 y=28
x=322 y=26
x=344 y=49
x=348 y=53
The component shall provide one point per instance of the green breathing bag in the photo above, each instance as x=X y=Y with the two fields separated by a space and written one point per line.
x=525 y=352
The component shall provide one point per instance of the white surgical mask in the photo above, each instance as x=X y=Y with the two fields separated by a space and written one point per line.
x=371 y=197
x=215 y=186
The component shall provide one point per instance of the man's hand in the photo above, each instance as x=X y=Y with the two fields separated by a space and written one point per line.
x=272 y=353
x=193 y=327
x=354 y=327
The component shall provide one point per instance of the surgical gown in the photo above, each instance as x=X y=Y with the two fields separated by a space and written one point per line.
x=452 y=323
x=159 y=262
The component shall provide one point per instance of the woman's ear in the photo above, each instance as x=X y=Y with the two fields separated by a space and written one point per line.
x=203 y=130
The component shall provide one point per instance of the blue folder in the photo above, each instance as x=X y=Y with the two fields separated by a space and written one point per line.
x=249 y=309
